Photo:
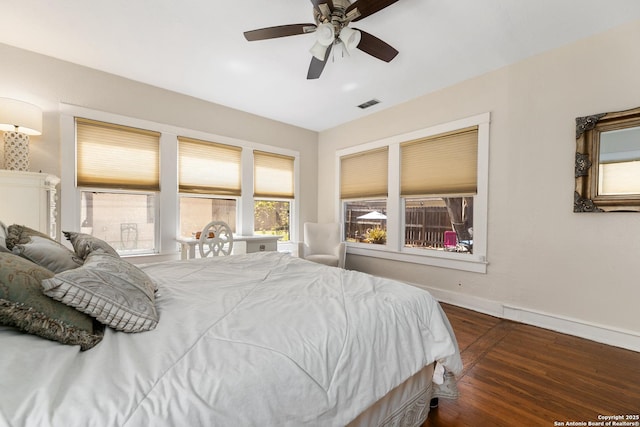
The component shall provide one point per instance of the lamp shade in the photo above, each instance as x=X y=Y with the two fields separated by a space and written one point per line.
x=20 y=116
x=350 y=37
x=325 y=34
x=319 y=51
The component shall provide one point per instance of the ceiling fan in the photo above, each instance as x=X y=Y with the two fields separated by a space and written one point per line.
x=332 y=18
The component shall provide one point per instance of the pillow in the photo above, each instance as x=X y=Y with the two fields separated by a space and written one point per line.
x=41 y=249
x=3 y=237
x=23 y=305
x=114 y=291
x=84 y=244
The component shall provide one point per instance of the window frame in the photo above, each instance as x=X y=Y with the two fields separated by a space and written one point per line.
x=394 y=248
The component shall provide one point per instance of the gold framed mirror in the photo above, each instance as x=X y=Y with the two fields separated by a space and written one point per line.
x=607 y=165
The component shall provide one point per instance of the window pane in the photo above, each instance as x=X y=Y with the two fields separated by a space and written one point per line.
x=366 y=221
x=439 y=223
x=197 y=212
x=126 y=221
x=272 y=217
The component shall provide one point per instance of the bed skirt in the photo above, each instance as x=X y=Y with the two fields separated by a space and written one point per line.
x=408 y=404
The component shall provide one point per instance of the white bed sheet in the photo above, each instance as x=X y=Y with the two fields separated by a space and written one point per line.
x=261 y=339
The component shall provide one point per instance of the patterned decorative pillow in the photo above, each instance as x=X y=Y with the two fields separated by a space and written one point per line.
x=114 y=291
x=23 y=305
x=84 y=244
x=41 y=249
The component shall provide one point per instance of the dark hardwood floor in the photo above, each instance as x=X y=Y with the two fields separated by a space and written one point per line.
x=521 y=375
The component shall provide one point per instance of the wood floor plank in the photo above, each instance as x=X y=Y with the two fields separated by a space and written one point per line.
x=518 y=374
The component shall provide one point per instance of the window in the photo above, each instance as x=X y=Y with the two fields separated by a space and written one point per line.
x=438 y=180
x=124 y=220
x=363 y=189
x=419 y=197
x=140 y=185
x=117 y=174
x=273 y=191
x=208 y=173
x=365 y=221
x=439 y=223
x=198 y=211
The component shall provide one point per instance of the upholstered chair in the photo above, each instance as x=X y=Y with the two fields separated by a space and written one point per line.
x=323 y=244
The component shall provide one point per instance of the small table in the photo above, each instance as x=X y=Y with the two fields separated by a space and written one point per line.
x=255 y=243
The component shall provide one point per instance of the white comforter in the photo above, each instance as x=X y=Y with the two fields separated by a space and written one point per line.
x=253 y=340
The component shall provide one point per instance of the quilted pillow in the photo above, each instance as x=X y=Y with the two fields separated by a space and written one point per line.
x=84 y=244
x=41 y=249
x=23 y=305
x=114 y=291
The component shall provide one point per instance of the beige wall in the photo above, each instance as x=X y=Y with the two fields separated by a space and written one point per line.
x=47 y=82
x=542 y=256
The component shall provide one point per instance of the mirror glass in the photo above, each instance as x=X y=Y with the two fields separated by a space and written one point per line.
x=619 y=162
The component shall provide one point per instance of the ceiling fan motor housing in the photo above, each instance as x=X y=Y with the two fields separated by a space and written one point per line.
x=336 y=17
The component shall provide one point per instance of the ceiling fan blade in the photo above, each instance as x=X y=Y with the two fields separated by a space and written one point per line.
x=376 y=47
x=279 y=31
x=368 y=7
x=316 y=66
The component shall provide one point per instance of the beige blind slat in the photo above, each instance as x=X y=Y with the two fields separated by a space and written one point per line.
x=208 y=168
x=364 y=174
x=272 y=175
x=442 y=164
x=114 y=156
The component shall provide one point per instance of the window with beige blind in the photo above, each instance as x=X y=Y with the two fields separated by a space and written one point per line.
x=419 y=197
x=118 y=175
x=143 y=186
x=209 y=182
x=364 y=190
x=273 y=192
x=438 y=180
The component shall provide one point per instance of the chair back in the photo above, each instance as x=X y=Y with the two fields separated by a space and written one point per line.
x=215 y=238
x=322 y=238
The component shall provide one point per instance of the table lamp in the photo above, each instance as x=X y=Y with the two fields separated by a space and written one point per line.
x=18 y=120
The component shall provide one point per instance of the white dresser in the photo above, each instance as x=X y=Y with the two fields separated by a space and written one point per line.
x=29 y=198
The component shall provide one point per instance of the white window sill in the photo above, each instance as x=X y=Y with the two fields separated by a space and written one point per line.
x=453 y=260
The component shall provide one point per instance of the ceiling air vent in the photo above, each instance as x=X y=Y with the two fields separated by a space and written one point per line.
x=368 y=104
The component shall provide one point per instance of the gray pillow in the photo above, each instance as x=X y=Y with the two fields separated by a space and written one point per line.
x=23 y=305
x=114 y=291
x=84 y=244
x=41 y=249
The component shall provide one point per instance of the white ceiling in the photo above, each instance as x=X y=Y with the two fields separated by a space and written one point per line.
x=196 y=47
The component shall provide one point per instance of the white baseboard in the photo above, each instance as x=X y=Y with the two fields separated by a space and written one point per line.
x=603 y=334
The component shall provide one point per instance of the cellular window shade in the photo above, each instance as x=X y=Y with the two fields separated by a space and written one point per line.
x=272 y=175
x=364 y=174
x=114 y=156
x=439 y=165
x=208 y=168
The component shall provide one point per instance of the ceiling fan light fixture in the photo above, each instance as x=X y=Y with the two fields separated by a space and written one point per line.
x=325 y=34
x=319 y=51
x=350 y=38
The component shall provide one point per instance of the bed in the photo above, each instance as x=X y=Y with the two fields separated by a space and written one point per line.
x=262 y=339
